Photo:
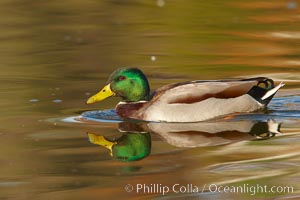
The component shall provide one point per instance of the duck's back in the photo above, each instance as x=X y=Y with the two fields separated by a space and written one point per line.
x=203 y=100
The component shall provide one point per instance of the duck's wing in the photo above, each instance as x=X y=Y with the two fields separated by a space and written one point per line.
x=196 y=91
x=203 y=100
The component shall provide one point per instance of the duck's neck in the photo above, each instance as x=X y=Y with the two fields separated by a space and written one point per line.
x=129 y=109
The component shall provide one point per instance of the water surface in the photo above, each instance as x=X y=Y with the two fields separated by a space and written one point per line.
x=55 y=54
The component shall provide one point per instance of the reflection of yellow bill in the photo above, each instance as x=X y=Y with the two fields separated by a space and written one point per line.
x=102 y=141
x=103 y=94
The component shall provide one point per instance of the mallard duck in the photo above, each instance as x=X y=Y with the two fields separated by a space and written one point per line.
x=187 y=101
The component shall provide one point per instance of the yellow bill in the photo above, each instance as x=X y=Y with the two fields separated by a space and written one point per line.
x=103 y=94
x=102 y=141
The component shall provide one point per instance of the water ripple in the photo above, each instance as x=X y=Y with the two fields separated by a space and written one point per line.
x=102 y=116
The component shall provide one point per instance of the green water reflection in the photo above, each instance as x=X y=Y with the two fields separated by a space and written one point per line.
x=129 y=147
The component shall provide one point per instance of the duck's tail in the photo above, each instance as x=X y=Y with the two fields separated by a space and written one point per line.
x=272 y=92
x=264 y=94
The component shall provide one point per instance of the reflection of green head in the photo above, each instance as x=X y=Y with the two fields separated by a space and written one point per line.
x=129 y=147
x=132 y=146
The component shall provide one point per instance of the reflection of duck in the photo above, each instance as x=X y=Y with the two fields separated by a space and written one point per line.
x=213 y=133
x=135 y=142
x=184 y=102
x=129 y=147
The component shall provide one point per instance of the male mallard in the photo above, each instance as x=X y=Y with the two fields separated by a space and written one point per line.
x=184 y=102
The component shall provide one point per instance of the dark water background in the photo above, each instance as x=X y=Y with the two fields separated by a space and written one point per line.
x=54 y=54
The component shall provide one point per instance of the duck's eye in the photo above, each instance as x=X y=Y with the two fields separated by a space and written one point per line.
x=121 y=78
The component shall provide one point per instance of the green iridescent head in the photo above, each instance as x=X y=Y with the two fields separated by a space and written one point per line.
x=128 y=83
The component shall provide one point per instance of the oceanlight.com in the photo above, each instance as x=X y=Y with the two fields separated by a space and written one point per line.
x=213 y=188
